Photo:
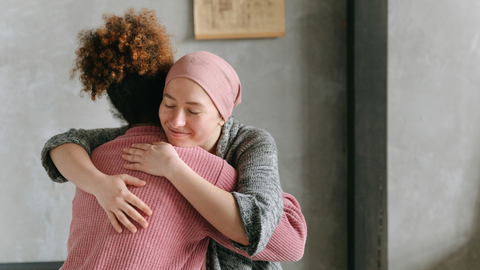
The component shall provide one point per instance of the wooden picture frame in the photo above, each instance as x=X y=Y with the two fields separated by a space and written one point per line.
x=233 y=19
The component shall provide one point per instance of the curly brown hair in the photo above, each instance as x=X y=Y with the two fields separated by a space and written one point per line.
x=133 y=44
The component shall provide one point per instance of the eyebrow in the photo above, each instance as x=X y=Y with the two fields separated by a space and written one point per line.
x=188 y=102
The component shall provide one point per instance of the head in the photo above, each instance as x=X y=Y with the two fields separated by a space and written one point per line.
x=200 y=93
x=136 y=98
x=128 y=58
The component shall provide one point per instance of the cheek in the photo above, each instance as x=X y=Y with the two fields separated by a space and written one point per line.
x=162 y=114
x=198 y=127
x=205 y=127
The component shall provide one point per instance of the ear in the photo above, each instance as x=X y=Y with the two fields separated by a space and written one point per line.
x=222 y=122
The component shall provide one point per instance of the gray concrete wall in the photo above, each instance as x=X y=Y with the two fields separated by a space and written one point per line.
x=294 y=87
x=434 y=135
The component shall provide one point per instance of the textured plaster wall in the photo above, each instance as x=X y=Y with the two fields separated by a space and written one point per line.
x=434 y=134
x=294 y=87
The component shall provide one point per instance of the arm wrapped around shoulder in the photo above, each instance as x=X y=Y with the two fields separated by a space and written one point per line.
x=88 y=139
x=287 y=243
x=259 y=194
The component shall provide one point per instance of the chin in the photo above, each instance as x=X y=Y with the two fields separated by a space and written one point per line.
x=179 y=143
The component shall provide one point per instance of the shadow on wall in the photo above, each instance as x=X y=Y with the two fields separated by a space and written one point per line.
x=466 y=257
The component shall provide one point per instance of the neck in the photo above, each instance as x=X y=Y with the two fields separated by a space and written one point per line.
x=212 y=146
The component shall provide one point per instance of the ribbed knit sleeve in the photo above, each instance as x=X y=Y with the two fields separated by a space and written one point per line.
x=88 y=139
x=287 y=242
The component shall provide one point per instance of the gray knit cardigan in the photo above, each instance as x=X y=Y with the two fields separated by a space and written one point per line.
x=251 y=151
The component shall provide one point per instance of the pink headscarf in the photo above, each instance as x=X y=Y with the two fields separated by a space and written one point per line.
x=214 y=75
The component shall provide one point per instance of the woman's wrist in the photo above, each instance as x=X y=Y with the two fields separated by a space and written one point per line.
x=176 y=167
x=74 y=164
x=93 y=182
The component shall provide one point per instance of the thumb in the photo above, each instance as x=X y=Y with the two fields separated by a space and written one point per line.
x=133 y=181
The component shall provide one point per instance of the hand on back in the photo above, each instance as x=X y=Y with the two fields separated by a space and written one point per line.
x=117 y=201
x=156 y=159
x=112 y=192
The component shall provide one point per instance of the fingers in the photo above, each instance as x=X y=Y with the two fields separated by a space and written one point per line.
x=135 y=201
x=133 y=181
x=125 y=221
x=114 y=222
x=143 y=146
x=131 y=158
x=132 y=154
x=125 y=201
x=133 y=214
x=133 y=167
x=137 y=148
x=131 y=199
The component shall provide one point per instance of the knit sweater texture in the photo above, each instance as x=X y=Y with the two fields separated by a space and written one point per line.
x=252 y=152
x=178 y=235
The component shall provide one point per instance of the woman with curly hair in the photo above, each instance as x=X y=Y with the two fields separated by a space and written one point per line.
x=121 y=60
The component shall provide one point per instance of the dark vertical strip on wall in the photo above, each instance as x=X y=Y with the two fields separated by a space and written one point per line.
x=350 y=134
x=367 y=134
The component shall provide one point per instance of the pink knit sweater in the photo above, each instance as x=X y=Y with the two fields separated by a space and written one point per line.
x=177 y=236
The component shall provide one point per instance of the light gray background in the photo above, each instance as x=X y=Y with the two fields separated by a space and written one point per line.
x=294 y=87
x=434 y=134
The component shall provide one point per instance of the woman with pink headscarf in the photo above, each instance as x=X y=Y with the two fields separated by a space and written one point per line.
x=201 y=90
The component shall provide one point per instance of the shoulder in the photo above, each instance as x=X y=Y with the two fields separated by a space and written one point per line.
x=249 y=134
x=238 y=132
x=254 y=140
x=238 y=139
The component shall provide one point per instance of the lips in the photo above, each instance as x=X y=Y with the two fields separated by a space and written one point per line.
x=177 y=133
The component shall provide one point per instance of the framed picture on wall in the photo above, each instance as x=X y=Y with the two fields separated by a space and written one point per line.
x=229 y=19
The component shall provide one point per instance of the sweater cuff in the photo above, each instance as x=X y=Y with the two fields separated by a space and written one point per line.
x=55 y=141
x=250 y=214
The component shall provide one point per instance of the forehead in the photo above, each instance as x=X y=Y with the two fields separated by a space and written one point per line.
x=186 y=90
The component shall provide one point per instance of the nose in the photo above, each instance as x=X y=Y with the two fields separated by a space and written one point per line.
x=178 y=119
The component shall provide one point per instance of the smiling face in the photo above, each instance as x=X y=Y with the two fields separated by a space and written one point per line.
x=188 y=115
